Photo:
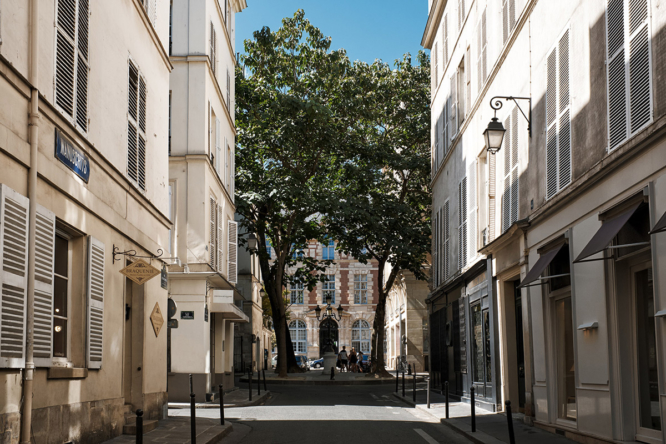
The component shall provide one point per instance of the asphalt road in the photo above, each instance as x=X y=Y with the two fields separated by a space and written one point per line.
x=332 y=414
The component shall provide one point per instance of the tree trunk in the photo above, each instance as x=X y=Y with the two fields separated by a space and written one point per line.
x=286 y=361
x=378 y=363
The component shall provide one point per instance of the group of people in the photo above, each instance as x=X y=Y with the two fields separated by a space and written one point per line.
x=350 y=362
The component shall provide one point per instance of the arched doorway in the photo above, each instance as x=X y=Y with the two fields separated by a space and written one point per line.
x=324 y=335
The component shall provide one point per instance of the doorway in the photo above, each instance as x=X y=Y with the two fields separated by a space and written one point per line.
x=133 y=344
x=328 y=333
x=514 y=363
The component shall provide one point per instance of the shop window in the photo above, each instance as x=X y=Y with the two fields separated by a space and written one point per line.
x=566 y=372
x=477 y=343
x=560 y=265
x=635 y=231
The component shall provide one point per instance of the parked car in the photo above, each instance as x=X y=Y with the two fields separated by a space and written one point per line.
x=317 y=363
x=301 y=360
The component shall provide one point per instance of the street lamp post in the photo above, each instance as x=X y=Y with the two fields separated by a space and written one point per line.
x=329 y=352
x=494 y=134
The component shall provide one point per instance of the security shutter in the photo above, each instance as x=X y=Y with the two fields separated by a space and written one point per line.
x=232 y=272
x=629 y=68
x=13 y=276
x=446 y=235
x=558 y=118
x=472 y=210
x=71 y=70
x=462 y=228
x=212 y=249
x=136 y=127
x=220 y=238
x=95 y=339
x=44 y=257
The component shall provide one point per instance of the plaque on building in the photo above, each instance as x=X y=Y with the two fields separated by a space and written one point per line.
x=156 y=319
x=75 y=159
x=140 y=271
x=163 y=277
x=187 y=315
x=463 y=336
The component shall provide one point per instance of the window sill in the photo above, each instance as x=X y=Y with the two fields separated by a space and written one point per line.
x=67 y=373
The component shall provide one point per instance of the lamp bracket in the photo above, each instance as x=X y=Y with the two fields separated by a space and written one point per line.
x=496 y=104
x=132 y=253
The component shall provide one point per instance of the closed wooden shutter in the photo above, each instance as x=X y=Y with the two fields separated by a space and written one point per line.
x=218 y=148
x=95 y=339
x=472 y=210
x=220 y=238
x=514 y=165
x=629 y=68
x=434 y=69
x=71 y=71
x=506 y=195
x=462 y=228
x=212 y=249
x=461 y=14
x=213 y=49
x=435 y=249
x=440 y=140
x=468 y=81
x=136 y=127
x=453 y=110
x=44 y=283
x=13 y=276
x=445 y=126
x=445 y=46
x=558 y=118
x=435 y=150
x=232 y=272
x=505 y=21
x=446 y=235
x=492 y=201
x=482 y=43
x=228 y=91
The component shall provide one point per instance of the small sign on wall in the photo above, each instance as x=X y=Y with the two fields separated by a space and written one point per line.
x=157 y=319
x=187 y=315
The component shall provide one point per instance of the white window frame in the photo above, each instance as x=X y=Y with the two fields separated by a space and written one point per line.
x=358 y=341
x=328 y=287
x=297 y=293
x=361 y=289
x=64 y=360
x=296 y=327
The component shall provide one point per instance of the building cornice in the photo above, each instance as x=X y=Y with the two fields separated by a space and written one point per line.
x=505 y=238
x=434 y=17
x=153 y=34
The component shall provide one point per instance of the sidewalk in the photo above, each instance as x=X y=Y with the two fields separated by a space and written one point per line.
x=317 y=377
x=491 y=428
x=175 y=430
x=235 y=398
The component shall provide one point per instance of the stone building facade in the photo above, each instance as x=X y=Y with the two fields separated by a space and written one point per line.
x=351 y=284
x=83 y=143
x=569 y=214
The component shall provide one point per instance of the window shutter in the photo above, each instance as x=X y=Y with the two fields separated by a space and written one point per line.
x=213 y=231
x=514 y=165
x=82 y=66
x=445 y=46
x=506 y=198
x=434 y=67
x=512 y=14
x=446 y=252
x=468 y=81
x=462 y=229
x=13 y=276
x=228 y=91
x=44 y=256
x=220 y=238
x=564 y=131
x=639 y=66
x=232 y=171
x=481 y=60
x=211 y=47
x=471 y=217
x=136 y=127
x=95 y=303
x=453 y=112
x=435 y=250
x=232 y=272
x=492 y=205
x=142 y=133
x=440 y=140
x=461 y=14
x=505 y=21
x=218 y=148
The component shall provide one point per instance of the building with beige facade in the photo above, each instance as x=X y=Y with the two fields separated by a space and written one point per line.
x=569 y=212
x=352 y=285
x=83 y=176
x=202 y=280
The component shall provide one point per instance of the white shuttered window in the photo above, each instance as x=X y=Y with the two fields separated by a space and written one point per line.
x=212 y=243
x=213 y=49
x=13 y=276
x=232 y=272
x=558 y=118
x=435 y=250
x=510 y=196
x=629 y=68
x=481 y=63
x=508 y=18
x=472 y=210
x=136 y=127
x=462 y=223
x=44 y=291
x=220 y=238
x=71 y=70
x=445 y=235
x=95 y=338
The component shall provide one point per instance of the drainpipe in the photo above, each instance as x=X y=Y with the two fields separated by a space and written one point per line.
x=33 y=128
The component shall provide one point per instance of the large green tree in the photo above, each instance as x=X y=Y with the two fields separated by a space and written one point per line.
x=293 y=122
x=382 y=211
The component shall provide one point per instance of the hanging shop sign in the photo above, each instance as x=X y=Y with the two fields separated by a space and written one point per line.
x=157 y=319
x=164 y=278
x=140 y=271
x=75 y=159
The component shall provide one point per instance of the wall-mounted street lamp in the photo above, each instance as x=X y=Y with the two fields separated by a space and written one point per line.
x=252 y=243
x=494 y=134
x=328 y=314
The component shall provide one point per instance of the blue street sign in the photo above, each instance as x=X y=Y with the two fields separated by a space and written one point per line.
x=75 y=159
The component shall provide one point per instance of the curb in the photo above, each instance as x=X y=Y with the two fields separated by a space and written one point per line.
x=326 y=382
x=219 y=436
x=259 y=400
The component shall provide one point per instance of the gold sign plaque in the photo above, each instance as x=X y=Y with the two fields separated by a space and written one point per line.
x=140 y=271
x=156 y=319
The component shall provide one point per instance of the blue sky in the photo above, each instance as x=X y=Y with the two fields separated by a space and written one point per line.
x=367 y=29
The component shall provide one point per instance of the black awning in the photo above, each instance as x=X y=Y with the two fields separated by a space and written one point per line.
x=604 y=236
x=661 y=225
x=543 y=262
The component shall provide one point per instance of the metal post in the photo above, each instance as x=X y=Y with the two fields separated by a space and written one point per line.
x=397 y=378
x=333 y=373
x=263 y=372
x=139 y=426
x=221 y=405
x=193 y=413
x=409 y=369
x=471 y=397
x=191 y=386
x=258 y=382
x=428 y=390
x=414 y=387
x=446 y=394
x=403 y=383
x=509 y=418
x=249 y=383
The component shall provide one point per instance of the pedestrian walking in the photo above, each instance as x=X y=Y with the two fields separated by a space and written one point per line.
x=359 y=356
x=352 y=360
x=343 y=359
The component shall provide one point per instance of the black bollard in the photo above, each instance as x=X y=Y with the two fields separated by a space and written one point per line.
x=332 y=373
x=403 y=383
x=414 y=387
x=191 y=386
x=428 y=390
x=221 y=405
x=258 y=383
x=139 y=426
x=409 y=369
x=249 y=383
x=193 y=419
x=512 y=438
x=446 y=394
x=263 y=372
x=397 y=378
x=471 y=397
